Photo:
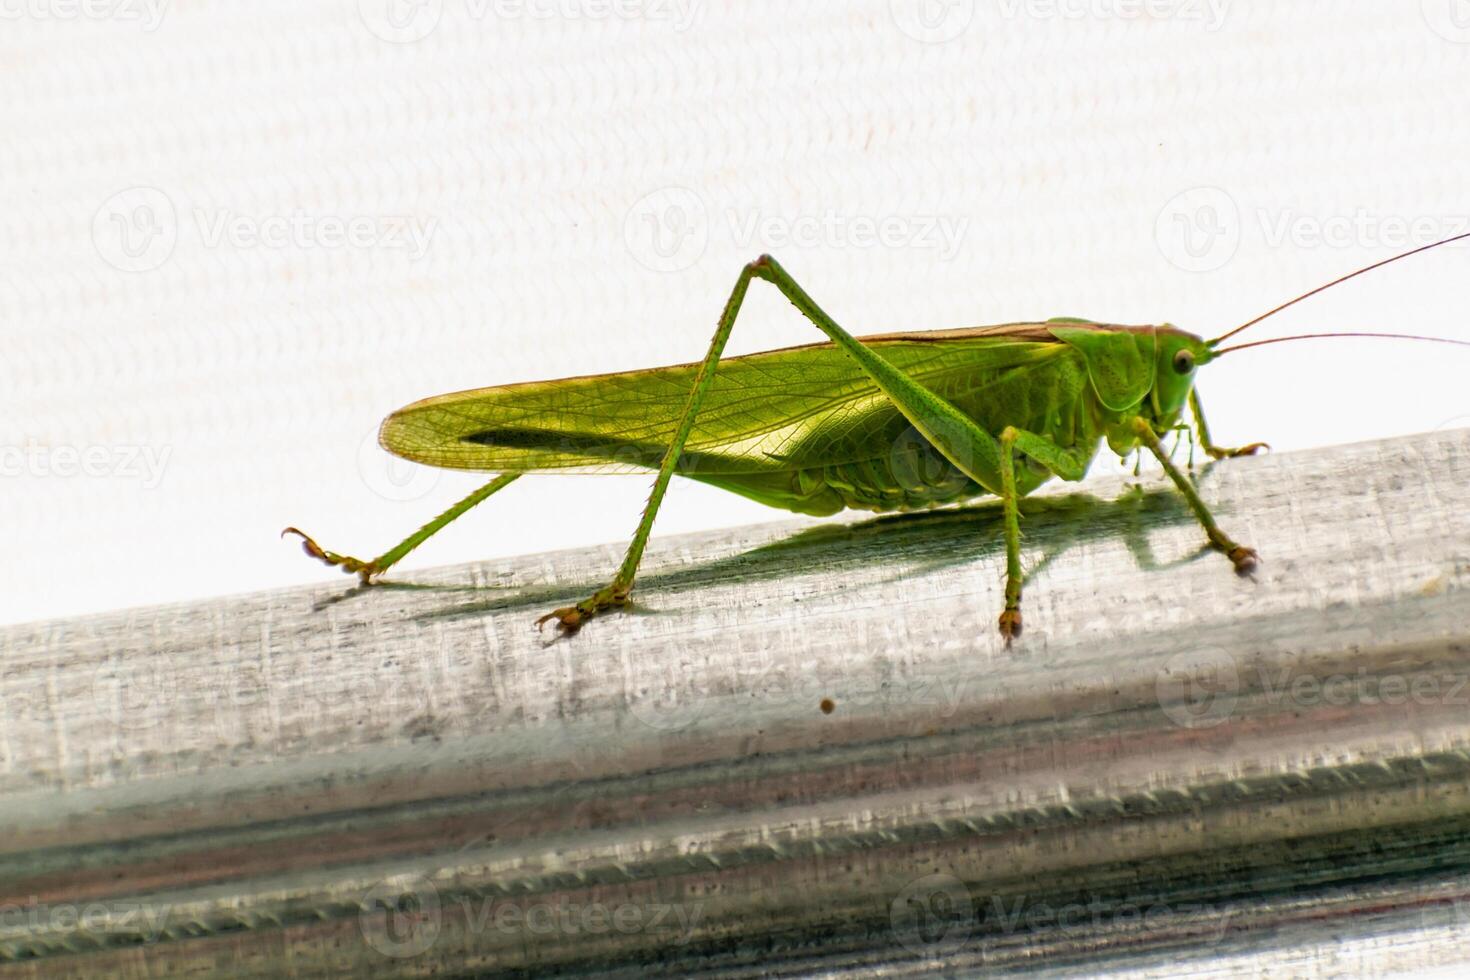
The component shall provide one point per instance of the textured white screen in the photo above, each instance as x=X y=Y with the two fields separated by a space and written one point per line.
x=234 y=236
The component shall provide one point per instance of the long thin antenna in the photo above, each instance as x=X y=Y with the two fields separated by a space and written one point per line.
x=1314 y=336
x=1337 y=281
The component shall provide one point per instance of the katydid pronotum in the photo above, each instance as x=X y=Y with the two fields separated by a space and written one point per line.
x=823 y=427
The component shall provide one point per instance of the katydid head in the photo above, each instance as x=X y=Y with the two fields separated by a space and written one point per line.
x=1135 y=370
x=1179 y=356
x=1144 y=370
x=1148 y=371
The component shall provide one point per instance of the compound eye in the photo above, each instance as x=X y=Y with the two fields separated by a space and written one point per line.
x=1184 y=361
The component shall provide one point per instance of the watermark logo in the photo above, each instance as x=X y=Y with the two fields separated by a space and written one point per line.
x=136 y=230
x=667 y=230
x=932 y=915
x=400 y=21
x=135 y=688
x=932 y=21
x=1198 y=230
x=401 y=917
x=664 y=697
x=391 y=477
x=1198 y=688
x=919 y=467
x=1450 y=19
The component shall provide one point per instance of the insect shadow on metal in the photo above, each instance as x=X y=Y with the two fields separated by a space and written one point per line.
x=905 y=545
x=823 y=427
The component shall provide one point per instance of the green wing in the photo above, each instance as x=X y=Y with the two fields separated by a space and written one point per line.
x=770 y=412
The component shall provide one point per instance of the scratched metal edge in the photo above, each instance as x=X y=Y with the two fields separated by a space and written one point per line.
x=852 y=917
x=1113 y=710
x=1297 y=788
x=1415 y=775
x=389 y=762
x=115 y=857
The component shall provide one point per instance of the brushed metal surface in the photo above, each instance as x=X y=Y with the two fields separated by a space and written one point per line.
x=1175 y=770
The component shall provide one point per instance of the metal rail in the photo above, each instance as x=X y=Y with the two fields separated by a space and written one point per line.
x=807 y=750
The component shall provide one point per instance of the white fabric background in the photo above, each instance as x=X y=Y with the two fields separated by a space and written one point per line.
x=219 y=386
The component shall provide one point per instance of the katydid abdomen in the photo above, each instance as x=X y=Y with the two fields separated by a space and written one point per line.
x=909 y=474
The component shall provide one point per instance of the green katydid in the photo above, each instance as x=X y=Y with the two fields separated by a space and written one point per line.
x=823 y=427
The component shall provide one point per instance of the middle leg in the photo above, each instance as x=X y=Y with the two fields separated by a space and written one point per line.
x=1069 y=464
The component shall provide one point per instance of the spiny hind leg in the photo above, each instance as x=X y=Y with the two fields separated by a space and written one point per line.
x=953 y=433
x=367 y=570
x=1244 y=559
x=1210 y=449
x=615 y=594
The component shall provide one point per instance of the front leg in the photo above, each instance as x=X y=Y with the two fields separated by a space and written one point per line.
x=1244 y=559
x=1212 y=450
x=571 y=618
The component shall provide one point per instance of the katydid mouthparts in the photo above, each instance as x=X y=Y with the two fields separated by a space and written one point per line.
x=887 y=422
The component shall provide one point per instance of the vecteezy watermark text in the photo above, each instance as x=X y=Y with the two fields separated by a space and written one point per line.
x=299 y=229
x=669 y=230
x=1360 y=228
x=1201 y=228
x=1202 y=688
x=571 y=919
x=402 y=918
x=408 y=21
x=112 y=917
x=936 y=914
x=941 y=233
x=148 y=13
x=123 y=462
x=138 y=229
x=1209 y=13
